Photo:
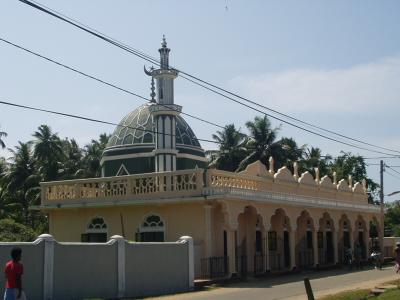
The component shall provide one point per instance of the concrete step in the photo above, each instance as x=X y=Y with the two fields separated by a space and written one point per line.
x=377 y=292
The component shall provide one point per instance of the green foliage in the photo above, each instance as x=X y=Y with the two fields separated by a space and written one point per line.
x=45 y=158
x=11 y=231
x=392 y=217
x=237 y=150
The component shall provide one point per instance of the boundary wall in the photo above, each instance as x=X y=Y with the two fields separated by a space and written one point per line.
x=115 y=269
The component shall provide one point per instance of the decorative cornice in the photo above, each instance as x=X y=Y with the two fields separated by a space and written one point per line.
x=286 y=199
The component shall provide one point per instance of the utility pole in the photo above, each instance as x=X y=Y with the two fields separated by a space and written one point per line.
x=382 y=221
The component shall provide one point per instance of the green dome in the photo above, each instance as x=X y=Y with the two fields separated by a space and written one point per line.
x=131 y=145
x=137 y=128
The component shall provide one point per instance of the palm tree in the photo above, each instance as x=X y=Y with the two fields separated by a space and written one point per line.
x=262 y=142
x=73 y=159
x=313 y=158
x=48 y=152
x=289 y=153
x=21 y=178
x=231 y=149
x=2 y=134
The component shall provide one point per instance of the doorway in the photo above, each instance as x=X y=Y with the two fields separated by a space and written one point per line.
x=286 y=249
x=329 y=247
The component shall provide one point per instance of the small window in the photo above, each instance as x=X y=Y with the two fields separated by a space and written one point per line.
x=320 y=239
x=309 y=240
x=96 y=231
x=272 y=245
x=152 y=230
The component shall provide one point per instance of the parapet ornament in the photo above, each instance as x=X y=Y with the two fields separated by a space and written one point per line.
x=307 y=178
x=284 y=174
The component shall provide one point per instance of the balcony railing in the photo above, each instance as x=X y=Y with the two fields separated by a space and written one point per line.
x=185 y=183
x=179 y=183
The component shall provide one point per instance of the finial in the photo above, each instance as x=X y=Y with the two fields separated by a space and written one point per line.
x=271 y=165
x=296 y=170
x=316 y=174
x=153 y=93
x=164 y=41
x=364 y=184
x=350 y=181
x=334 y=178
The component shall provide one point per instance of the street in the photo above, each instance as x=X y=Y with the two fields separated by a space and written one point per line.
x=292 y=287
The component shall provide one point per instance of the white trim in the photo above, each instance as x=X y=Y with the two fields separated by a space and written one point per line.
x=151 y=154
x=48 y=267
x=122 y=167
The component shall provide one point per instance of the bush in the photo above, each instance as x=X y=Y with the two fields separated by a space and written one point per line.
x=11 y=231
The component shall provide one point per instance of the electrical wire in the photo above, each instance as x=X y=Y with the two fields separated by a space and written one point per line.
x=101 y=80
x=94 y=120
x=194 y=78
x=394 y=176
x=393 y=169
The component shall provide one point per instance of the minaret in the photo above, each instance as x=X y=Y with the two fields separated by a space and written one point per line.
x=164 y=113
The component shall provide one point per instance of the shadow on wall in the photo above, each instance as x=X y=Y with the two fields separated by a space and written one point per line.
x=114 y=269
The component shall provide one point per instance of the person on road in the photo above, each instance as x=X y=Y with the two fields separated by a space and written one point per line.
x=13 y=271
x=397 y=260
x=348 y=255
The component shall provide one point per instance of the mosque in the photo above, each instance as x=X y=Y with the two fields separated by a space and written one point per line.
x=156 y=187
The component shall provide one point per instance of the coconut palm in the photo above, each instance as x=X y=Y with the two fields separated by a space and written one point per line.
x=313 y=158
x=2 y=134
x=262 y=142
x=21 y=178
x=48 y=152
x=290 y=152
x=231 y=149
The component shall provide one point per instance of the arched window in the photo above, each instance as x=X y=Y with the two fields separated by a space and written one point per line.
x=96 y=231
x=152 y=229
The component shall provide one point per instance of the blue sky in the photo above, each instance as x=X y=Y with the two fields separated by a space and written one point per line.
x=332 y=63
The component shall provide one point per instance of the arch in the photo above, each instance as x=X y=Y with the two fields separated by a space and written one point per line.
x=152 y=229
x=96 y=231
x=304 y=244
x=96 y=224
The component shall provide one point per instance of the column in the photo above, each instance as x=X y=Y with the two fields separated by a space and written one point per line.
x=335 y=246
x=189 y=241
x=208 y=233
x=366 y=242
x=315 y=246
x=292 y=245
x=48 y=267
x=266 y=248
x=230 y=234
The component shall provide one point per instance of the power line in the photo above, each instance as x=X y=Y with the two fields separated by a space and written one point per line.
x=393 y=170
x=394 y=176
x=155 y=61
x=93 y=120
x=100 y=80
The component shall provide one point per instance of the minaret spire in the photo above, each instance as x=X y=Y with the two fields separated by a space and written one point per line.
x=164 y=112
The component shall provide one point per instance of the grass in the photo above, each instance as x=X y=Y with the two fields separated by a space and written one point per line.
x=392 y=294
x=350 y=295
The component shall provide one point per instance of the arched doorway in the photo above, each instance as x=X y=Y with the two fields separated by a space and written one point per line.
x=326 y=247
x=345 y=237
x=304 y=241
x=279 y=242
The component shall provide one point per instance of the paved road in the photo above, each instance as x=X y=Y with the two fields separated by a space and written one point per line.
x=291 y=287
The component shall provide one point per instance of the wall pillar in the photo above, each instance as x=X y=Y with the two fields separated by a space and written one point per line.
x=121 y=263
x=315 y=246
x=292 y=245
x=189 y=241
x=335 y=246
x=48 y=267
x=208 y=228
